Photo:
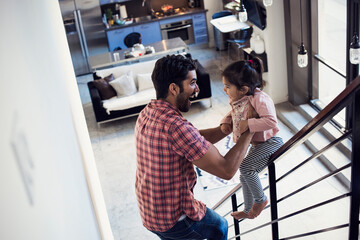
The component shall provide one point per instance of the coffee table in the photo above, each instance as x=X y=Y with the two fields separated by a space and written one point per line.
x=162 y=48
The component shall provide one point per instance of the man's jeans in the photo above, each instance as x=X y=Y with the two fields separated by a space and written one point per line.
x=211 y=227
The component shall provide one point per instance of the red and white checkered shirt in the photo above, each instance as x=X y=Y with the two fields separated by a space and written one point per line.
x=166 y=146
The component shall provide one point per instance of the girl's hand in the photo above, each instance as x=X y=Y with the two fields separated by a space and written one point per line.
x=226 y=128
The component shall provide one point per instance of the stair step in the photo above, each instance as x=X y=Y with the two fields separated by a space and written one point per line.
x=296 y=117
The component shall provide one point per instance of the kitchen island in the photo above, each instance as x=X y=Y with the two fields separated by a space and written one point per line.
x=162 y=48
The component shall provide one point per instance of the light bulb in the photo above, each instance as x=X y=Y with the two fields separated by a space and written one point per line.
x=354 y=53
x=355 y=56
x=302 y=57
x=267 y=3
x=243 y=16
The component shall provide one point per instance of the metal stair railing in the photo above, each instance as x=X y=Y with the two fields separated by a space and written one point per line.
x=350 y=96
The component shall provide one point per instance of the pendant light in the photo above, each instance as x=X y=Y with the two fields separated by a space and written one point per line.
x=242 y=12
x=302 y=54
x=354 y=52
x=267 y=3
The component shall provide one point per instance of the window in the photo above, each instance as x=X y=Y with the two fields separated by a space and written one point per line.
x=330 y=78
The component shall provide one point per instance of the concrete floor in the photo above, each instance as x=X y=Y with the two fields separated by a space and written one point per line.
x=114 y=149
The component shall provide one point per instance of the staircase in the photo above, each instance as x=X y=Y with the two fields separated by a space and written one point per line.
x=312 y=181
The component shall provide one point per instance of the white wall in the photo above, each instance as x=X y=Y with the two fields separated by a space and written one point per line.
x=274 y=38
x=275 y=48
x=212 y=7
x=44 y=140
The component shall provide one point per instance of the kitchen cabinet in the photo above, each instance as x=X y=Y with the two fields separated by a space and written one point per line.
x=200 y=28
x=175 y=19
x=116 y=37
x=102 y=2
x=199 y=25
x=150 y=32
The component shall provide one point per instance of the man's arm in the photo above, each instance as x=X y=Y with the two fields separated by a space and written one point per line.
x=225 y=167
x=213 y=135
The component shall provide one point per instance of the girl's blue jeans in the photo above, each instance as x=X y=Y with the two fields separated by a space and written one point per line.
x=211 y=227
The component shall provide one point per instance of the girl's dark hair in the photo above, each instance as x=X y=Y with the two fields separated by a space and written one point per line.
x=245 y=73
x=170 y=69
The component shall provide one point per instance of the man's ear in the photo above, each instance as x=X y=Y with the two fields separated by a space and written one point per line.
x=174 y=89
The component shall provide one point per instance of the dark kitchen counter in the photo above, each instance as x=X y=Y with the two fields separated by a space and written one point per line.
x=148 y=19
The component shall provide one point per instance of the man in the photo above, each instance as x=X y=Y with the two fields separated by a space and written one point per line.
x=168 y=147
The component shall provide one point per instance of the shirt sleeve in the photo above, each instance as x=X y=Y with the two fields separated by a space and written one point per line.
x=265 y=108
x=188 y=142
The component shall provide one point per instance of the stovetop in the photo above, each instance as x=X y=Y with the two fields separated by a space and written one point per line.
x=173 y=12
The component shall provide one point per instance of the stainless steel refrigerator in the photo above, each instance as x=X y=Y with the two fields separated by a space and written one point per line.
x=84 y=30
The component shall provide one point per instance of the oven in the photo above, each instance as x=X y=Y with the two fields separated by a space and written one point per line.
x=183 y=29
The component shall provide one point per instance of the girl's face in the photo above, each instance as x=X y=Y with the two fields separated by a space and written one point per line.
x=232 y=91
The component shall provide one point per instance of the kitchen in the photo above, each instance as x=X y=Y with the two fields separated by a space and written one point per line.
x=94 y=27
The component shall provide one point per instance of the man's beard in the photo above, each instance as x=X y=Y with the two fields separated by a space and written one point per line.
x=183 y=102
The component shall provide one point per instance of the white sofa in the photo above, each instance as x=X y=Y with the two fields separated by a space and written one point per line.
x=133 y=93
x=144 y=89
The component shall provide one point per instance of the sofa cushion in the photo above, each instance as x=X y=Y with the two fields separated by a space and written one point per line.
x=124 y=85
x=144 y=81
x=105 y=89
x=137 y=99
x=137 y=68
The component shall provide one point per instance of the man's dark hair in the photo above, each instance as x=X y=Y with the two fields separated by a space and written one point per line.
x=170 y=69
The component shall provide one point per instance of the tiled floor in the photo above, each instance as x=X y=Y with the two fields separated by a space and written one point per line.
x=114 y=148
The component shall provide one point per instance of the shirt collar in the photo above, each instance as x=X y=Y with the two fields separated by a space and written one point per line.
x=244 y=98
x=161 y=105
x=240 y=101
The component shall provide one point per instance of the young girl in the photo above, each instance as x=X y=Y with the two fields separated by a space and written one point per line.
x=243 y=84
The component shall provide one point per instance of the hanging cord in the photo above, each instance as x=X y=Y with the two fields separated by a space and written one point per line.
x=356 y=10
x=301 y=33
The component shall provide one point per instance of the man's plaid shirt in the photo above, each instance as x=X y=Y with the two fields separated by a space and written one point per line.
x=166 y=146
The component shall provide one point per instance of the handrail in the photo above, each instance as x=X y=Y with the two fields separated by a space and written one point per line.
x=238 y=186
x=350 y=95
x=298 y=212
x=227 y=196
x=327 y=113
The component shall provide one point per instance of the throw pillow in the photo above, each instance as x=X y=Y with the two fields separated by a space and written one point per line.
x=124 y=85
x=107 y=78
x=105 y=89
x=144 y=81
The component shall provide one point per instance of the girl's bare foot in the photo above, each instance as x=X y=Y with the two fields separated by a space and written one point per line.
x=257 y=208
x=240 y=215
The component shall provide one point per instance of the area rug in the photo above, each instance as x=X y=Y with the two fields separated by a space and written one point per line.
x=209 y=181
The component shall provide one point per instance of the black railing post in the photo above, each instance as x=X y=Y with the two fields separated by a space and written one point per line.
x=355 y=170
x=273 y=201
x=236 y=222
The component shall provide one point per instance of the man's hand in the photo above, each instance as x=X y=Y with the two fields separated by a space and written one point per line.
x=226 y=128
x=243 y=126
x=251 y=112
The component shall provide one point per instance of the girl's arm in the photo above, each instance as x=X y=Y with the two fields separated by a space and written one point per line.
x=265 y=108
